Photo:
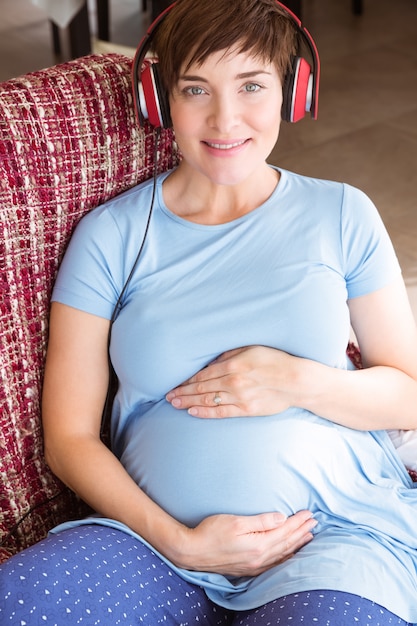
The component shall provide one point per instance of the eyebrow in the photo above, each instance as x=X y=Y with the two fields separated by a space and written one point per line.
x=200 y=79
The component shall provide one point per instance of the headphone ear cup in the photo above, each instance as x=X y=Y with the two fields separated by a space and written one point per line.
x=153 y=97
x=297 y=91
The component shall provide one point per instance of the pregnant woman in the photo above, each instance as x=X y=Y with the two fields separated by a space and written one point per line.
x=250 y=478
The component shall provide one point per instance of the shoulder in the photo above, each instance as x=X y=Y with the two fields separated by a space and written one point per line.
x=337 y=200
x=298 y=181
x=131 y=206
x=313 y=189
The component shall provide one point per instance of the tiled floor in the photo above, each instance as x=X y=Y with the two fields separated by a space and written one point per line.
x=367 y=128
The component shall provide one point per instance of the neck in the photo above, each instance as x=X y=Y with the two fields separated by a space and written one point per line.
x=192 y=196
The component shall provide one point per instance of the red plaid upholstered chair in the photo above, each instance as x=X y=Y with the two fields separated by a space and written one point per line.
x=68 y=142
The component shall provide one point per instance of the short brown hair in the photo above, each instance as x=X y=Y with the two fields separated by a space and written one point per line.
x=194 y=29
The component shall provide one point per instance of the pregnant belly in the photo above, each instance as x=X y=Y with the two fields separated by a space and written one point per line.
x=197 y=467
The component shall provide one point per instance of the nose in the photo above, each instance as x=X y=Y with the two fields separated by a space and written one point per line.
x=224 y=113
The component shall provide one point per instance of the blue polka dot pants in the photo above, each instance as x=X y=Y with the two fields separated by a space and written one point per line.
x=94 y=575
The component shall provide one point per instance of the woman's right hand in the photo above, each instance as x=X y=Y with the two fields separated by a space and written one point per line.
x=245 y=545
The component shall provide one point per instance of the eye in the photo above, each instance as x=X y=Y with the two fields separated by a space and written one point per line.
x=193 y=90
x=252 y=87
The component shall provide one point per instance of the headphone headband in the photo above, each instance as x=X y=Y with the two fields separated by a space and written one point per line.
x=300 y=89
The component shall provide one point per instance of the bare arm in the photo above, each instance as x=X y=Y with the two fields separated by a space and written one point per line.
x=75 y=385
x=384 y=394
x=260 y=381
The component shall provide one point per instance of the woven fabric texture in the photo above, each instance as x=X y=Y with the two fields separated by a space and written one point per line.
x=68 y=142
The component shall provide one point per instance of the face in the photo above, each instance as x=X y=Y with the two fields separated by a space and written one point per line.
x=226 y=115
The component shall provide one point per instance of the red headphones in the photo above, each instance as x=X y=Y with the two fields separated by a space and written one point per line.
x=300 y=89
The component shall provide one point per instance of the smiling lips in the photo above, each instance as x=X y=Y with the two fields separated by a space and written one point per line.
x=225 y=146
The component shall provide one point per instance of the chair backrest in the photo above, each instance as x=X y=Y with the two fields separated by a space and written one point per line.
x=68 y=142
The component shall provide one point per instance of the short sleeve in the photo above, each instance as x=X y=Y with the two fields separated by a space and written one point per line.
x=90 y=275
x=370 y=260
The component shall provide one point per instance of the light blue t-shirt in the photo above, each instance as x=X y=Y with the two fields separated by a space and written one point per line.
x=279 y=276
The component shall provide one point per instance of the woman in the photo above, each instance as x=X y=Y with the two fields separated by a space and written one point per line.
x=238 y=431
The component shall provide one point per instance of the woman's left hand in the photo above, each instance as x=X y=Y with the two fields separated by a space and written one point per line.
x=253 y=380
